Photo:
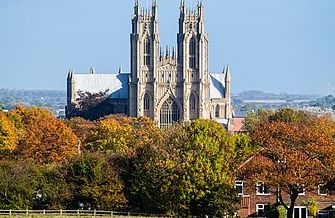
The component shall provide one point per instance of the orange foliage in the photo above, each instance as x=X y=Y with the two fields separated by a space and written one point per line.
x=295 y=154
x=43 y=137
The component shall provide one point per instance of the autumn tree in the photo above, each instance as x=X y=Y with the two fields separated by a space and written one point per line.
x=8 y=138
x=122 y=134
x=42 y=136
x=296 y=154
x=83 y=129
x=190 y=172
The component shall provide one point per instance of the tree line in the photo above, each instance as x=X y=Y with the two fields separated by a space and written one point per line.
x=129 y=164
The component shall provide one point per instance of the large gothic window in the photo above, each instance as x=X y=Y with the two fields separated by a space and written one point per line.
x=146 y=104
x=217 y=111
x=192 y=53
x=193 y=107
x=169 y=113
x=147 y=52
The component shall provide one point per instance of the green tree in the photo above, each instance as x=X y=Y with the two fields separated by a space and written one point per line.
x=17 y=184
x=52 y=189
x=94 y=183
x=284 y=115
x=190 y=172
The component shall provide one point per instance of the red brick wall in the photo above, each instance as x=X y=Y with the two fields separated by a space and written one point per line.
x=250 y=199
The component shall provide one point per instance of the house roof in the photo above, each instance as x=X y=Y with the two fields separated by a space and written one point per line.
x=238 y=124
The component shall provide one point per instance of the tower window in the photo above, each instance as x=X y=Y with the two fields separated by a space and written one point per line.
x=193 y=107
x=146 y=102
x=192 y=53
x=147 y=52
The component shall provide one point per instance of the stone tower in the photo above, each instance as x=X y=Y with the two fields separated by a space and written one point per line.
x=193 y=62
x=145 y=45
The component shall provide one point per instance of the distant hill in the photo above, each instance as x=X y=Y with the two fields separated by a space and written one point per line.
x=324 y=102
x=260 y=95
x=54 y=100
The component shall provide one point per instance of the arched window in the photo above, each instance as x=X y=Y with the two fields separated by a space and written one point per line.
x=146 y=52
x=169 y=113
x=192 y=53
x=193 y=107
x=146 y=102
x=217 y=111
x=146 y=105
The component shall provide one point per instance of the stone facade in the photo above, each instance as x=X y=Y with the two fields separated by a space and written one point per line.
x=174 y=85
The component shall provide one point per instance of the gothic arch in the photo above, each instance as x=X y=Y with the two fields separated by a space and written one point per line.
x=169 y=113
x=147 y=104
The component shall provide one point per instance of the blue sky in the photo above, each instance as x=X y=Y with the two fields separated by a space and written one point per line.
x=270 y=45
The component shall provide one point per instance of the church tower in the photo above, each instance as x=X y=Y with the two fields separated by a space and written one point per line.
x=193 y=62
x=144 y=41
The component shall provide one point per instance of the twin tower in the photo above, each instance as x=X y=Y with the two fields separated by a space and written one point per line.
x=175 y=85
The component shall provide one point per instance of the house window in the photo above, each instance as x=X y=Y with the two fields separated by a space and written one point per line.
x=322 y=190
x=323 y=214
x=301 y=191
x=239 y=187
x=300 y=212
x=262 y=189
x=261 y=209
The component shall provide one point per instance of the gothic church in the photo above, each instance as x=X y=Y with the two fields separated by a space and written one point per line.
x=170 y=86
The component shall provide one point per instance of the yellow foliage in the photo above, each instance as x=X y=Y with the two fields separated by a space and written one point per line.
x=123 y=134
x=8 y=138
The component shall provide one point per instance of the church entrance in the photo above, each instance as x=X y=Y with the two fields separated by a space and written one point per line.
x=169 y=113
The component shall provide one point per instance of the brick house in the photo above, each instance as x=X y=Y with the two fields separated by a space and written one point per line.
x=255 y=198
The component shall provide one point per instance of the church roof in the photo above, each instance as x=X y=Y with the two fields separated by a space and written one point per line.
x=217 y=87
x=117 y=84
